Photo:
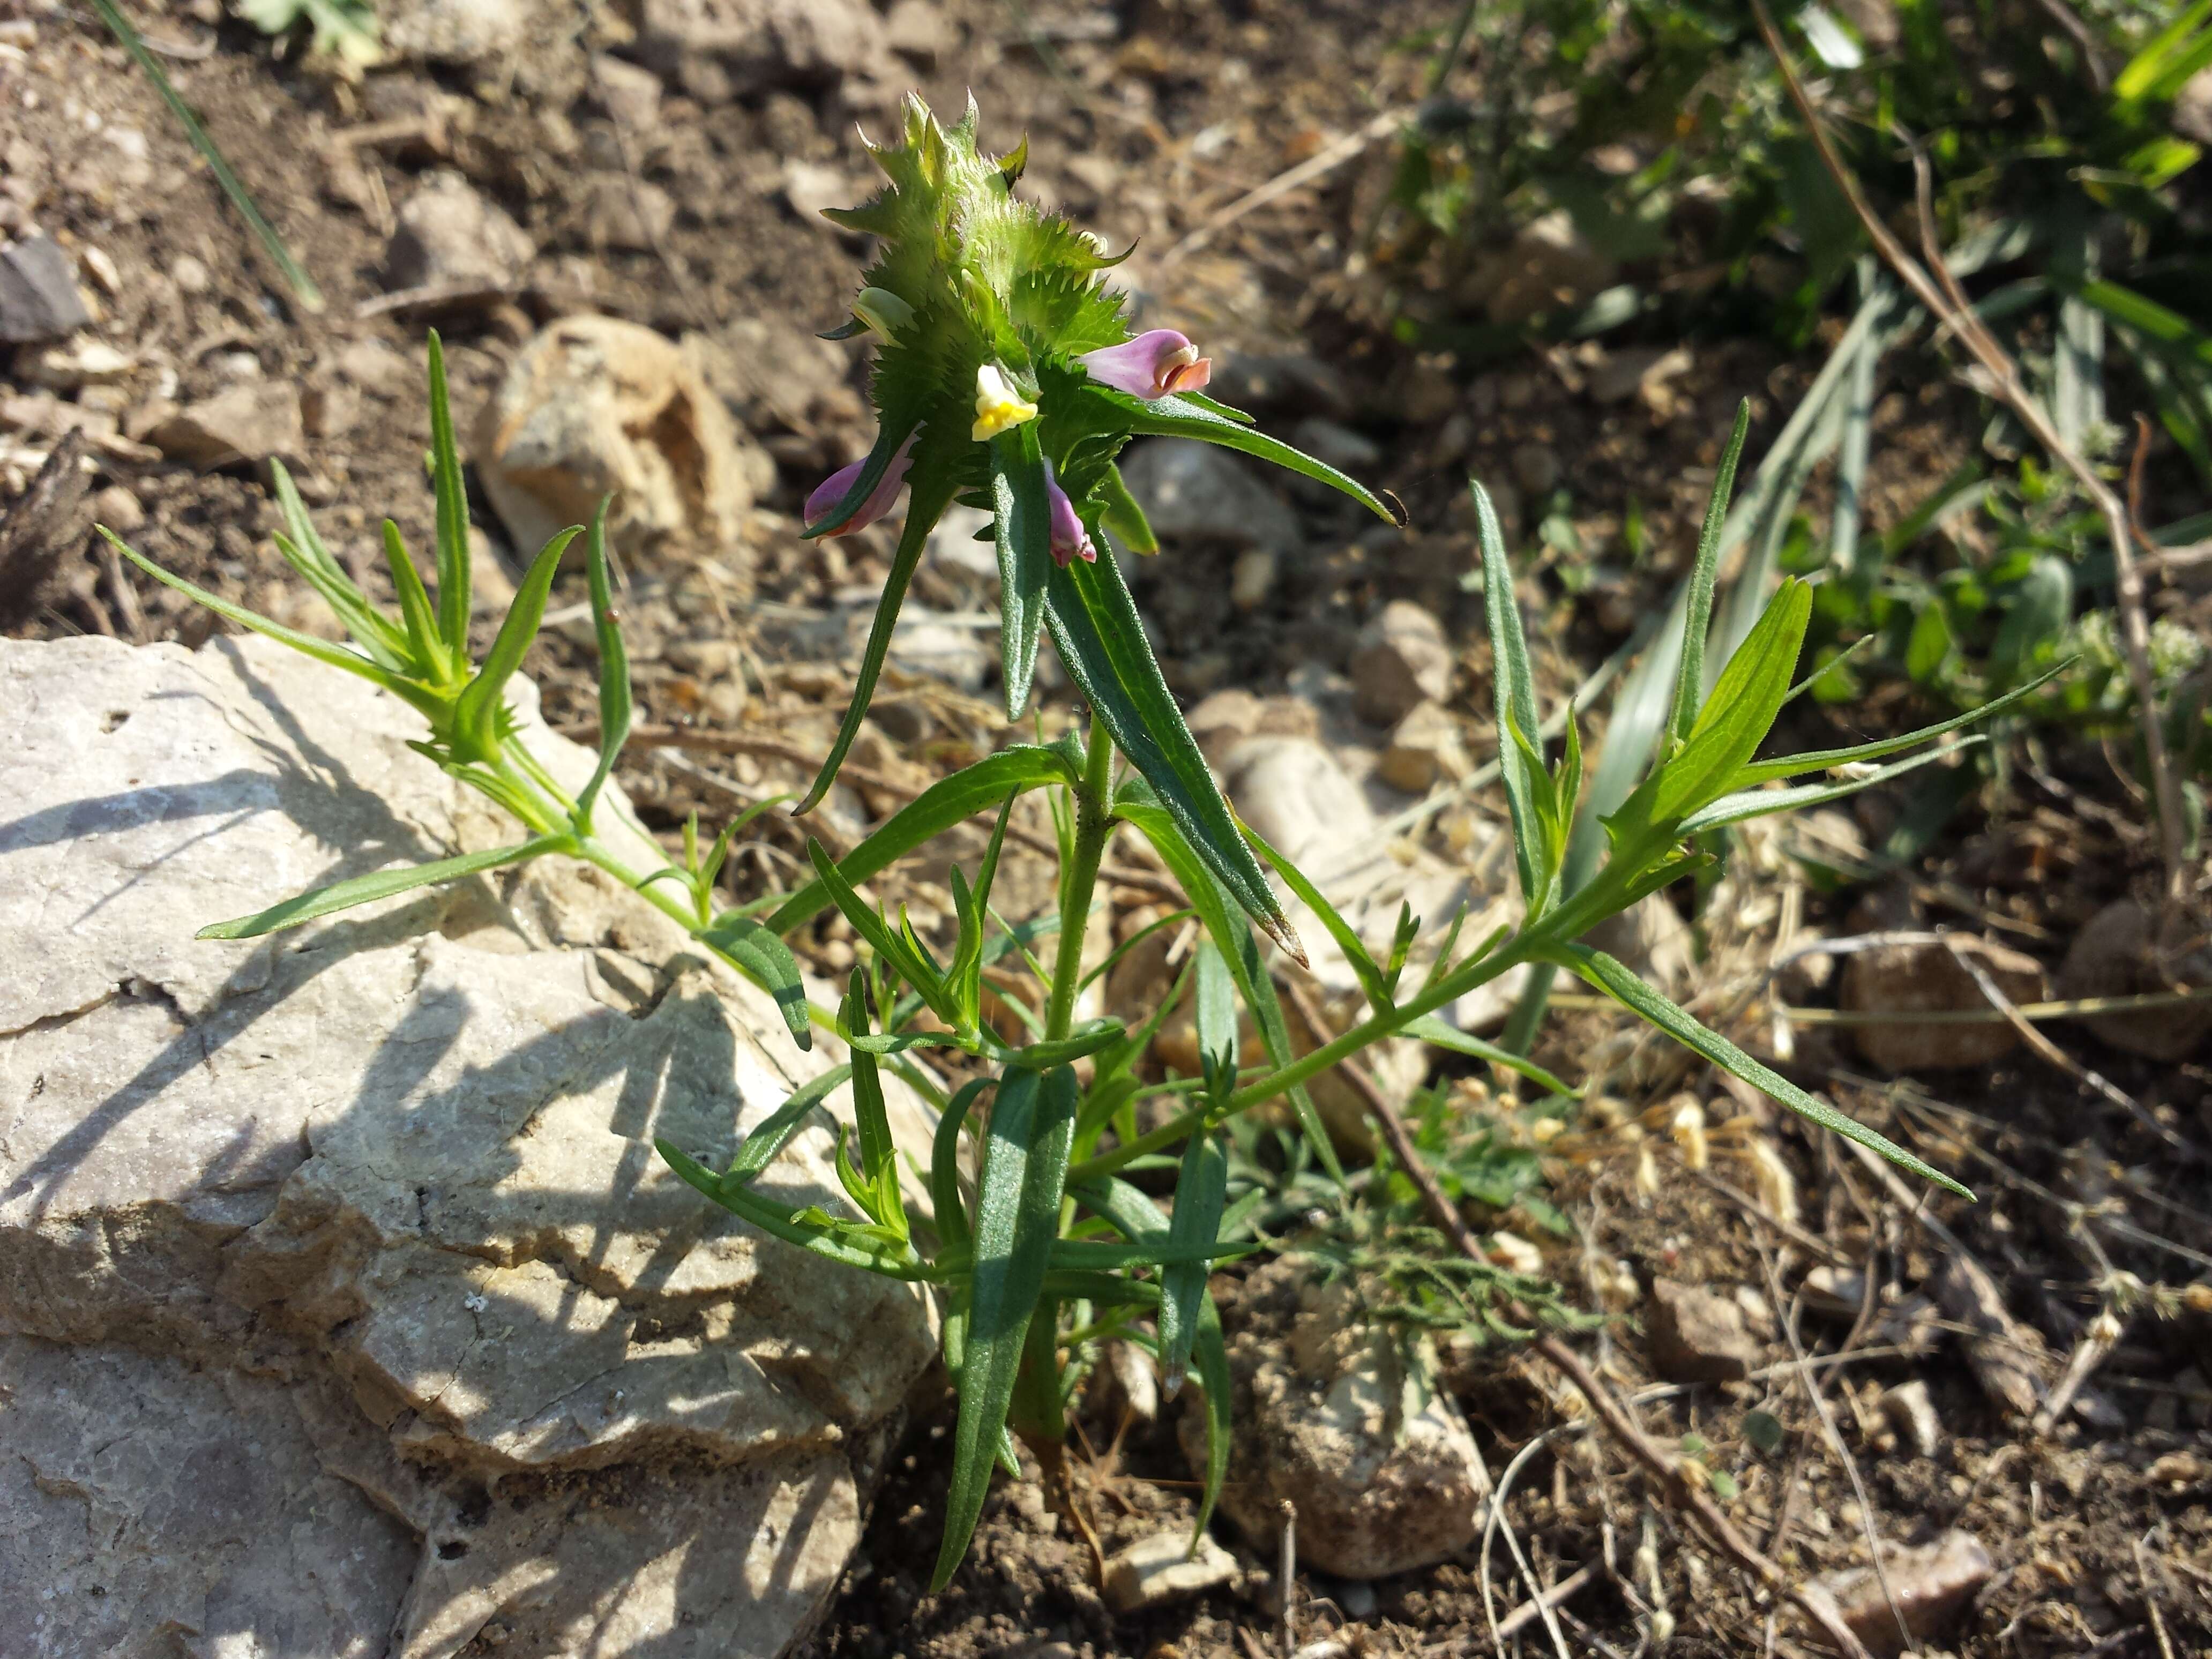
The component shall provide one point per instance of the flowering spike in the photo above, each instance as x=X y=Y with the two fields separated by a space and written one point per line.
x=1156 y=364
x=998 y=405
x=1070 y=540
x=832 y=490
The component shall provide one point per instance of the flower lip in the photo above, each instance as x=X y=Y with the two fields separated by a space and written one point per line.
x=832 y=490
x=1070 y=540
x=998 y=405
x=1157 y=363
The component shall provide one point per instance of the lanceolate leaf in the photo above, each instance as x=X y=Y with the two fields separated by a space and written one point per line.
x=1017 y=1220
x=973 y=789
x=1514 y=689
x=453 y=524
x=1690 y=676
x=1200 y=1190
x=775 y=1132
x=1102 y=642
x=878 y=1151
x=810 y=1229
x=1188 y=417
x=614 y=668
x=768 y=962
x=951 y=1215
x=363 y=889
x=890 y=944
x=1619 y=983
x=414 y=607
x=926 y=503
x=476 y=712
x=304 y=551
x=1429 y=1028
x=1790 y=766
x=1761 y=803
x=1022 y=521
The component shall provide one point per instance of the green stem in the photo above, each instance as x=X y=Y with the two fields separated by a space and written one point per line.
x=1094 y=820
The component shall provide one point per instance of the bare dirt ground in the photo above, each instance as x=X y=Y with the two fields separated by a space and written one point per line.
x=1146 y=123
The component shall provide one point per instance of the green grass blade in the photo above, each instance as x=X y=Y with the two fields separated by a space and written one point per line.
x=1514 y=691
x=1790 y=766
x=475 y=711
x=615 y=703
x=926 y=503
x=323 y=651
x=765 y=959
x=1021 y=516
x=1616 y=981
x=1025 y=1168
x=1210 y=1351
x=302 y=285
x=776 y=1131
x=364 y=889
x=973 y=789
x=1690 y=676
x=1101 y=643
x=1202 y=1188
x=414 y=609
x=452 y=513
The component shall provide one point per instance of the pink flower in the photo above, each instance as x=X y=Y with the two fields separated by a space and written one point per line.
x=831 y=490
x=1070 y=540
x=1155 y=364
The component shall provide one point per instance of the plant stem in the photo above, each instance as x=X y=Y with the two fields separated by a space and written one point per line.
x=1093 y=820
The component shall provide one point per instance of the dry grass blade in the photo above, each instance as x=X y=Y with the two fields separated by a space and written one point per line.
x=1945 y=301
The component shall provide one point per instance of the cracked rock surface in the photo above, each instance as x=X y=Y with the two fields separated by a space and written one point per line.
x=345 y=1307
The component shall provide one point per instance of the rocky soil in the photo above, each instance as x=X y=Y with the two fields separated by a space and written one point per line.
x=344 y=1262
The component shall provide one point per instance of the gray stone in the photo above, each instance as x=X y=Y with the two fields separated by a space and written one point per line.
x=1381 y=1466
x=393 y=1173
x=448 y=235
x=1697 y=1335
x=39 y=295
x=1198 y=492
x=1425 y=750
x=1402 y=660
x=247 y=423
x=1166 y=1567
x=718 y=50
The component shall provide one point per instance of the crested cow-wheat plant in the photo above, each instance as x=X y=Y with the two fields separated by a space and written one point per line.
x=1006 y=376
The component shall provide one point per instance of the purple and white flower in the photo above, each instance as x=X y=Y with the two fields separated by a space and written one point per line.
x=831 y=490
x=1157 y=363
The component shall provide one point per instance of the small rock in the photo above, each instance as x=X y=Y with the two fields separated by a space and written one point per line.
x=1133 y=1387
x=1697 y=1335
x=1252 y=578
x=458 y=33
x=1911 y=1411
x=627 y=92
x=39 y=295
x=810 y=188
x=720 y=50
x=1932 y=1583
x=625 y=213
x=919 y=29
x=1163 y=1568
x=190 y=274
x=1926 y=979
x=1835 y=1293
x=1355 y=1599
x=247 y=423
x=80 y=363
x=1536 y=468
x=98 y=263
x=1550 y=266
x=1425 y=750
x=1403 y=659
x=592 y=404
x=2118 y=954
x=118 y=509
x=1192 y=492
x=1638 y=371
x=1339 y=446
x=448 y=235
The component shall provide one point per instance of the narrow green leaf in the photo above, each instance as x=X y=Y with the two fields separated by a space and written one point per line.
x=415 y=609
x=1513 y=688
x=1101 y=643
x=776 y=1131
x=1429 y=1028
x=1025 y=1167
x=452 y=505
x=1240 y=951
x=973 y=789
x=323 y=651
x=811 y=1229
x=878 y=1151
x=476 y=710
x=951 y=1215
x=891 y=946
x=926 y=503
x=614 y=671
x=765 y=959
x=1085 y=1041
x=1202 y=1188
x=1153 y=1251
x=1372 y=979
x=1690 y=677
x=304 y=551
x=1622 y=985
x=1216 y=1004
x=1121 y=515
x=1790 y=766
x=1021 y=519
x=1181 y=416
x=363 y=889
x=1763 y=803
x=1210 y=1351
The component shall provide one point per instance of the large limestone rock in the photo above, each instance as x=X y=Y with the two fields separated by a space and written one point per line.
x=344 y=1305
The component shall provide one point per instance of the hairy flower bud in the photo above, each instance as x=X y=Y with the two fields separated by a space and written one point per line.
x=1157 y=363
x=831 y=490
x=998 y=406
x=1070 y=540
